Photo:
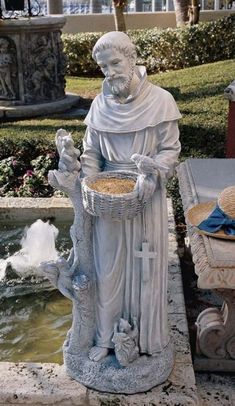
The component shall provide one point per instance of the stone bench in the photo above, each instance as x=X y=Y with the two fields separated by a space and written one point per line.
x=202 y=180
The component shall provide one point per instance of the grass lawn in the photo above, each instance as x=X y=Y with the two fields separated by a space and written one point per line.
x=197 y=90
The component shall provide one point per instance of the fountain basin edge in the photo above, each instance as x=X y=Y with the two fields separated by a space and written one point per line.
x=28 y=209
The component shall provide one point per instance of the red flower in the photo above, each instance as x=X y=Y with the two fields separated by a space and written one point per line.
x=28 y=174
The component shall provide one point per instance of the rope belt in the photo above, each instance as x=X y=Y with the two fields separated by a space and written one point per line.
x=120 y=166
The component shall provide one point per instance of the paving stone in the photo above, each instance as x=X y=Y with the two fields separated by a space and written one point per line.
x=39 y=384
x=180 y=336
x=216 y=389
x=176 y=303
x=175 y=391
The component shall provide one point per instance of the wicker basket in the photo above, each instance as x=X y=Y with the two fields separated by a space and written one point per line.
x=111 y=206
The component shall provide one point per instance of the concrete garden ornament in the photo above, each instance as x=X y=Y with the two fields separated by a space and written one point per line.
x=116 y=274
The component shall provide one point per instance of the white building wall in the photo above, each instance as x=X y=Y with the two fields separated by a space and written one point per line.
x=105 y=22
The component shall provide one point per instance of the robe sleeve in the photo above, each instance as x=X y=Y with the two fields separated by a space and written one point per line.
x=168 y=148
x=91 y=159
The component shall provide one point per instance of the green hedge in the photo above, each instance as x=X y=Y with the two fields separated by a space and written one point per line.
x=161 y=49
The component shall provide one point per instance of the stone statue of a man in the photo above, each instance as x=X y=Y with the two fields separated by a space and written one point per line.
x=132 y=125
x=116 y=274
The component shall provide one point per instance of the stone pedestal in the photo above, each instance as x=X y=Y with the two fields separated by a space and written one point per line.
x=32 y=66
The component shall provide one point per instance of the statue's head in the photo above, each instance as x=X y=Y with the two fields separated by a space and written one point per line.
x=116 y=55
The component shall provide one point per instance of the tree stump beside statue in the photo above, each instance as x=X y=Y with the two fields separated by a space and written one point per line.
x=116 y=274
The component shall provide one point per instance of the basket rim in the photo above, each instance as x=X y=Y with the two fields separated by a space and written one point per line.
x=98 y=175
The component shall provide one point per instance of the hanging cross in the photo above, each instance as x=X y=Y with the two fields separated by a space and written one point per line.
x=146 y=255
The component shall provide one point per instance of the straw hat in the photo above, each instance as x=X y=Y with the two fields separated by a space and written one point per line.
x=201 y=211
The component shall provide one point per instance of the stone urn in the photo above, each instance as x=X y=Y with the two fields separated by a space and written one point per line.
x=32 y=67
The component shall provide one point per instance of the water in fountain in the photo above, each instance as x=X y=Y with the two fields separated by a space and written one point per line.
x=38 y=244
x=34 y=316
x=33 y=327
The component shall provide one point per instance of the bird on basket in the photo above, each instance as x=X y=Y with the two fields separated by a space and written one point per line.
x=148 y=165
x=149 y=171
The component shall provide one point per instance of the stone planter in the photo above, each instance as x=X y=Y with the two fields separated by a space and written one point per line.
x=32 y=65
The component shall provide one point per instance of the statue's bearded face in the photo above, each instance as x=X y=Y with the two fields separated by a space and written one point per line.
x=117 y=68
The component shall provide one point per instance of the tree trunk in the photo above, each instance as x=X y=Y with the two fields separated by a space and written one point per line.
x=181 y=12
x=119 y=7
x=194 y=12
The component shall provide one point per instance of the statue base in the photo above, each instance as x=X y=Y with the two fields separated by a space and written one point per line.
x=108 y=376
x=34 y=110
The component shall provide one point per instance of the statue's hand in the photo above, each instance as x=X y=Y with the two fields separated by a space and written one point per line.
x=145 y=186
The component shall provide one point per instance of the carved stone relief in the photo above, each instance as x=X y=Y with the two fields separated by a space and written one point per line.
x=33 y=67
x=8 y=69
x=45 y=68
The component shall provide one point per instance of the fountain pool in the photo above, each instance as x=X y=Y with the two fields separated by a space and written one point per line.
x=33 y=321
x=33 y=327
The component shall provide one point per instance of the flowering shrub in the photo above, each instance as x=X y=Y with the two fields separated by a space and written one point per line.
x=20 y=178
x=6 y=170
x=161 y=49
x=78 y=51
x=9 y=167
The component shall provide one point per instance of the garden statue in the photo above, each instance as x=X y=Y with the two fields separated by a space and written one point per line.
x=116 y=274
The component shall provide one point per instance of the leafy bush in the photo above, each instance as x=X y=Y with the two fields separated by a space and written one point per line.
x=161 y=49
x=22 y=176
x=25 y=149
x=78 y=51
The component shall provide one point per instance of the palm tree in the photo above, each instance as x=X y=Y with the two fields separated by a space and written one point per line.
x=186 y=12
x=181 y=12
x=119 y=7
x=194 y=12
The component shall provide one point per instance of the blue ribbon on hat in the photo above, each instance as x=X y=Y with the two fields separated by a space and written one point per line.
x=218 y=220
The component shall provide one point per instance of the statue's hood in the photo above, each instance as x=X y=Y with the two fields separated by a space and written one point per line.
x=148 y=106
